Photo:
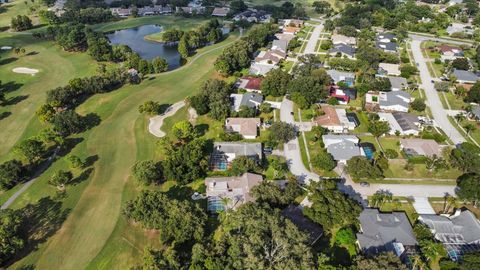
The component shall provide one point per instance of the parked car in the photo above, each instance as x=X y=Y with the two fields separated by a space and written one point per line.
x=364 y=184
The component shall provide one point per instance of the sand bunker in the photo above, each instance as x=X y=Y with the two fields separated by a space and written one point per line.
x=6 y=48
x=24 y=70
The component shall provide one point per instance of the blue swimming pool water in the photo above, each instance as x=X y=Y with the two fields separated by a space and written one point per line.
x=368 y=152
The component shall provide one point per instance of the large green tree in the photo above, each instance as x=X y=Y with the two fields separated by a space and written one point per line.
x=384 y=261
x=275 y=83
x=469 y=188
x=147 y=172
x=10 y=240
x=360 y=167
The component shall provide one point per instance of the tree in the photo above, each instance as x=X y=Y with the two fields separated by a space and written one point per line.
x=323 y=160
x=150 y=107
x=322 y=7
x=381 y=84
x=408 y=70
x=383 y=261
x=265 y=107
x=11 y=241
x=468 y=188
x=184 y=131
x=466 y=157
x=75 y=161
x=360 y=167
x=147 y=172
x=11 y=173
x=442 y=86
x=60 y=179
x=469 y=128
x=177 y=221
x=459 y=117
x=187 y=162
x=21 y=23
x=159 y=65
x=271 y=193
x=461 y=63
x=418 y=105
x=282 y=132
x=30 y=150
x=257 y=236
x=474 y=94
x=275 y=83
x=237 y=6
x=183 y=47
x=380 y=197
x=345 y=236
x=378 y=128
x=68 y=122
x=435 y=163
x=330 y=207
x=243 y=164
x=46 y=112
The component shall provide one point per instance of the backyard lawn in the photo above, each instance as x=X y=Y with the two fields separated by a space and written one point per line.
x=90 y=231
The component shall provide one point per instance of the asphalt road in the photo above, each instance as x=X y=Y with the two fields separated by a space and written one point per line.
x=433 y=99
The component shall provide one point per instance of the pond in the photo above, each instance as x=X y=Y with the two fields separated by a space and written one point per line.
x=135 y=39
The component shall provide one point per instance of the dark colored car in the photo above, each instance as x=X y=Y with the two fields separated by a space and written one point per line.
x=364 y=184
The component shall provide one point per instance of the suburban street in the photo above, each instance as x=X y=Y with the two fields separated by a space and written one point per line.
x=312 y=42
x=432 y=97
x=296 y=166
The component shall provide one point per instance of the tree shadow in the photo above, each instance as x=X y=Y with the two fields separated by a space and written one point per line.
x=10 y=86
x=4 y=28
x=16 y=100
x=8 y=60
x=4 y=115
x=70 y=143
x=32 y=53
x=89 y=161
x=163 y=108
x=91 y=120
x=40 y=221
x=82 y=177
x=180 y=192
x=201 y=129
x=338 y=255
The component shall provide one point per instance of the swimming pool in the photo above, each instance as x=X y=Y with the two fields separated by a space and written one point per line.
x=369 y=149
x=215 y=205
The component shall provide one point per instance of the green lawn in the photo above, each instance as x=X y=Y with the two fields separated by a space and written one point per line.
x=17 y=7
x=164 y=21
x=397 y=170
x=363 y=118
x=406 y=207
x=94 y=234
x=314 y=148
x=456 y=103
x=27 y=92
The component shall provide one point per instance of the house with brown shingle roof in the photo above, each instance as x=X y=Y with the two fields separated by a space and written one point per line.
x=247 y=127
x=420 y=147
x=251 y=84
x=334 y=119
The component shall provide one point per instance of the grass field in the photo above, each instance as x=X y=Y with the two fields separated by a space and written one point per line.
x=14 y=8
x=164 y=21
x=95 y=235
x=26 y=92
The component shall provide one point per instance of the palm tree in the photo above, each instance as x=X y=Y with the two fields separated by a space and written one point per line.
x=469 y=128
x=450 y=201
x=417 y=262
x=459 y=117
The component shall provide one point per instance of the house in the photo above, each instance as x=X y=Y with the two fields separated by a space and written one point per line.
x=450 y=52
x=290 y=30
x=225 y=152
x=342 y=147
x=191 y=9
x=341 y=76
x=261 y=68
x=155 y=10
x=398 y=101
x=234 y=191
x=247 y=127
x=398 y=83
x=459 y=232
x=121 y=12
x=465 y=76
x=343 y=95
x=460 y=28
x=335 y=120
x=341 y=39
x=386 y=42
x=404 y=123
x=293 y=23
x=280 y=45
x=253 y=16
x=221 y=11
x=385 y=232
x=285 y=37
x=251 y=100
x=474 y=113
x=251 y=84
x=343 y=50
x=389 y=69
x=295 y=215
x=270 y=57
x=420 y=147
x=455 y=2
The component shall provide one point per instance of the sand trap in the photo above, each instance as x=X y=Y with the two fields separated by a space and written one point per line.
x=156 y=122
x=24 y=70
x=6 y=48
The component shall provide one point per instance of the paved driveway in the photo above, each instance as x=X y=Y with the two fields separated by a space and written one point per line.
x=312 y=42
x=433 y=99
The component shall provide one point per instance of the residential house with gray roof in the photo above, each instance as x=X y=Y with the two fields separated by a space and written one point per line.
x=385 y=232
x=398 y=83
x=394 y=101
x=474 y=113
x=225 y=152
x=250 y=99
x=403 y=123
x=342 y=147
x=280 y=45
x=459 y=233
x=341 y=76
x=343 y=50
x=465 y=76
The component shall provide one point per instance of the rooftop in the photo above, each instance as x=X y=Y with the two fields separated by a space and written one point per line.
x=244 y=126
x=421 y=147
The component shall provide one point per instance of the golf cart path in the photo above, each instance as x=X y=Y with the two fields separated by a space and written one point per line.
x=156 y=122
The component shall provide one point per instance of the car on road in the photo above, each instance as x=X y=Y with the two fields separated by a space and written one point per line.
x=364 y=184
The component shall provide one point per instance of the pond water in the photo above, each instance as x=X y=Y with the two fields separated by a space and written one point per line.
x=135 y=39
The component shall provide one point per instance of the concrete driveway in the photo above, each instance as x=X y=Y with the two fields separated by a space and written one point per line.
x=433 y=99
